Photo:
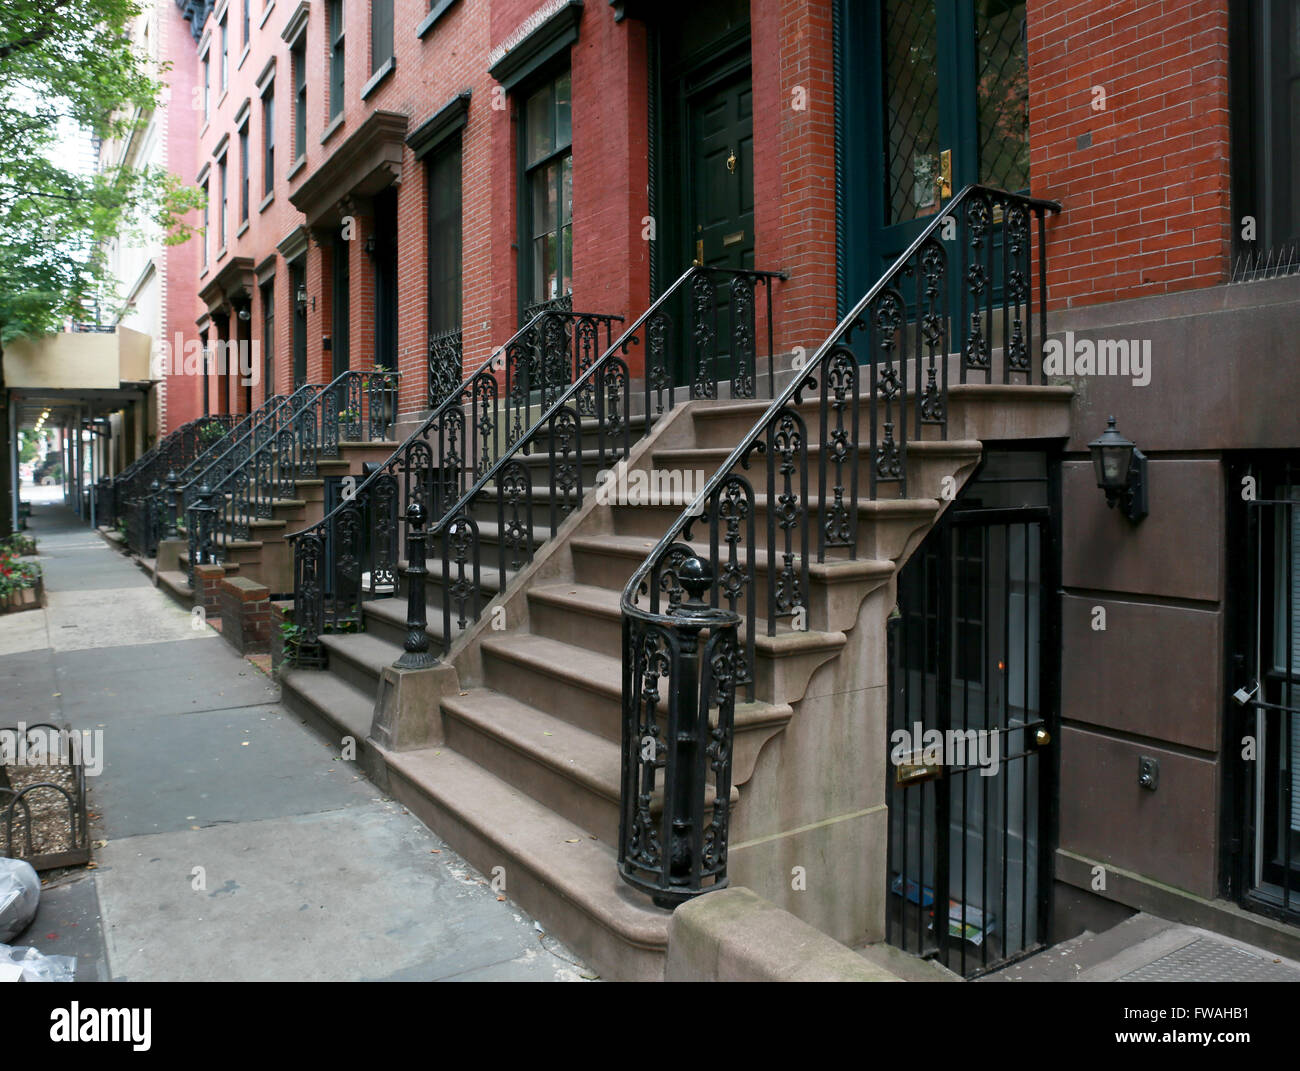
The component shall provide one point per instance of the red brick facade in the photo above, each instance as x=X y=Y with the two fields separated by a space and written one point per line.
x=1144 y=171
x=794 y=185
x=1143 y=174
x=184 y=400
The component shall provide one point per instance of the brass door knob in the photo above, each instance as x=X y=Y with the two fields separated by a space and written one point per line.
x=1042 y=738
x=731 y=162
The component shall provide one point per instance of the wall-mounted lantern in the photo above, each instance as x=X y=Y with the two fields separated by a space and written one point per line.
x=1121 y=470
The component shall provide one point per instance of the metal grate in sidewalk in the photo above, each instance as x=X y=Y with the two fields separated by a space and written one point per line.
x=1207 y=960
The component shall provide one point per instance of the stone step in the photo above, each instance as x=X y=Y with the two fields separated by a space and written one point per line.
x=567 y=877
x=927 y=463
x=360 y=657
x=885 y=526
x=177 y=586
x=335 y=708
x=587 y=687
x=573 y=772
x=610 y=560
x=385 y=619
x=981 y=411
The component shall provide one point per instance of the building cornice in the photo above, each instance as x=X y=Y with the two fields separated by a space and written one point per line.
x=365 y=163
x=440 y=126
x=296 y=25
x=540 y=38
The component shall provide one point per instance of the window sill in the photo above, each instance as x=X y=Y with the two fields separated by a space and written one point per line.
x=222 y=99
x=203 y=272
x=440 y=8
x=333 y=128
x=221 y=254
x=375 y=79
x=243 y=56
x=207 y=123
x=298 y=165
x=266 y=14
x=266 y=201
x=242 y=228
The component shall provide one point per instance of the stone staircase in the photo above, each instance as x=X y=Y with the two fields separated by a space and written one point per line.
x=266 y=557
x=521 y=774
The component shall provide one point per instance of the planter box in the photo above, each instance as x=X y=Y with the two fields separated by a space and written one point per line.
x=32 y=598
x=62 y=791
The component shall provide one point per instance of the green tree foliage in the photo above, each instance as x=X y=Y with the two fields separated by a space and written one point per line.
x=67 y=65
x=70 y=66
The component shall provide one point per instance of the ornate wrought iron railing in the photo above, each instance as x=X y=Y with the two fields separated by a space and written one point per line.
x=133 y=489
x=221 y=443
x=445 y=366
x=163 y=508
x=358 y=406
x=236 y=448
x=353 y=552
x=599 y=394
x=676 y=753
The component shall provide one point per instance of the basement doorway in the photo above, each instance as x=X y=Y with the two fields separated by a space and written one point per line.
x=973 y=666
x=1262 y=746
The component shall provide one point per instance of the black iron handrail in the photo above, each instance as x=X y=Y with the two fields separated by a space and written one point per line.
x=551 y=348
x=355 y=401
x=166 y=505
x=239 y=447
x=133 y=489
x=598 y=391
x=268 y=407
x=906 y=316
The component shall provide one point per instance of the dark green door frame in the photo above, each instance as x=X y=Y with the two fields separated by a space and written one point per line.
x=964 y=44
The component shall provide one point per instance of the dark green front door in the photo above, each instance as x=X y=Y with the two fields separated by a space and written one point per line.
x=933 y=96
x=721 y=173
x=342 y=299
x=298 y=302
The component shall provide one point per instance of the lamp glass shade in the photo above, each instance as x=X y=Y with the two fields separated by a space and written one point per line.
x=1112 y=454
x=1112 y=465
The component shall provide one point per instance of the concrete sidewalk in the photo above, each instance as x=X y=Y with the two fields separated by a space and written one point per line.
x=239 y=846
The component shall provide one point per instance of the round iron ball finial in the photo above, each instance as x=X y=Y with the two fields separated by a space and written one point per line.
x=415 y=514
x=695 y=576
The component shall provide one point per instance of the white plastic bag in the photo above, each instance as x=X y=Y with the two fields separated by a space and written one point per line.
x=38 y=967
x=20 y=893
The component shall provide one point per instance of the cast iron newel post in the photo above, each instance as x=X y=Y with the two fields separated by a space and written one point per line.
x=152 y=499
x=689 y=734
x=173 y=481
x=417 y=654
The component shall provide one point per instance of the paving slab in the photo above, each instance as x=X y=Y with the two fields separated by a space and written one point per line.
x=231 y=842
x=148 y=679
x=67 y=923
x=24 y=631
x=345 y=895
x=28 y=688
x=172 y=772
x=109 y=617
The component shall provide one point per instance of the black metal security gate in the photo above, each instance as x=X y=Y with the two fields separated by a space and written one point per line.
x=972 y=720
x=1264 y=684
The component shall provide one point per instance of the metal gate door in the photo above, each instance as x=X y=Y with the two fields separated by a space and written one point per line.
x=1266 y=693
x=971 y=772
